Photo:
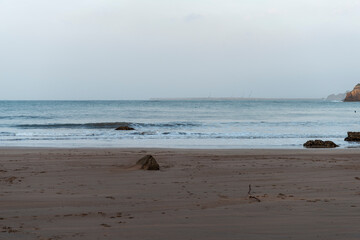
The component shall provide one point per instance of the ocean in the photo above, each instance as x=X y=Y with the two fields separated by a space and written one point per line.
x=177 y=123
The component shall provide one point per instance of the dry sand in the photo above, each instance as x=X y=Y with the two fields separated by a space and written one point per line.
x=197 y=194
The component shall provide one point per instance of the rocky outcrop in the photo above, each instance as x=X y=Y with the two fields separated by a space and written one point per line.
x=354 y=95
x=124 y=128
x=336 y=97
x=148 y=162
x=353 y=137
x=319 y=144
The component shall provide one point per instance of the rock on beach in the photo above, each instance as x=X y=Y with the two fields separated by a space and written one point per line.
x=319 y=144
x=148 y=162
x=353 y=137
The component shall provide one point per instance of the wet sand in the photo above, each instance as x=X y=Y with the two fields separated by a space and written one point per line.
x=197 y=194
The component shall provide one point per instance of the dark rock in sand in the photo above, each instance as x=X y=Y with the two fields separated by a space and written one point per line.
x=148 y=162
x=124 y=128
x=319 y=144
x=354 y=95
x=353 y=137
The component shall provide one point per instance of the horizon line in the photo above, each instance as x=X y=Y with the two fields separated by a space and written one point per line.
x=166 y=98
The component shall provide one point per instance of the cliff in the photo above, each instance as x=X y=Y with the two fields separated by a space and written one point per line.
x=354 y=95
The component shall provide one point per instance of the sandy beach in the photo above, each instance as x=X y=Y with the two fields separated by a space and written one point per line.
x=197 y=194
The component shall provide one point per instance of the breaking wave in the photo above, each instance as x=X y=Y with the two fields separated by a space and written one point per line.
x=105 y=125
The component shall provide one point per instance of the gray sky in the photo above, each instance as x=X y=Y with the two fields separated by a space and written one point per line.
x=138 y=49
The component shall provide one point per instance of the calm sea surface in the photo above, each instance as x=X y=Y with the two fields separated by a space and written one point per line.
x=176 y=124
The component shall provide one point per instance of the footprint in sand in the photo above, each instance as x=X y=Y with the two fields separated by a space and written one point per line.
x=105 y=225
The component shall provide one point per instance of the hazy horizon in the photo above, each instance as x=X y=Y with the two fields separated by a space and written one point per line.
x=169 y=98
x=117 y=50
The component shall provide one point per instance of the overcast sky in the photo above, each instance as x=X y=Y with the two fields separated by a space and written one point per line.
x=138 y=49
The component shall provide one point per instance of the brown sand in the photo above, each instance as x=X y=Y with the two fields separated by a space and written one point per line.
x=197 y=194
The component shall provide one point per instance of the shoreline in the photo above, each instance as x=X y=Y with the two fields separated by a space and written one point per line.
x=277 y=151
x=94 y=193
x=341 y=146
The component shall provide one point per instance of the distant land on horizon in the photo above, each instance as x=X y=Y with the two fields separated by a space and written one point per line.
x=229 y=98
x=328 y=98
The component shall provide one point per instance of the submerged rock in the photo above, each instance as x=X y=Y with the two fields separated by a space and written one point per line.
x=125 y=128
x=354 y=95
x=319 y=144
x=353 y=137
x=148 y=162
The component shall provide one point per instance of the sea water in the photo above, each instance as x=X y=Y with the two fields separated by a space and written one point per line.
x=177 y=123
